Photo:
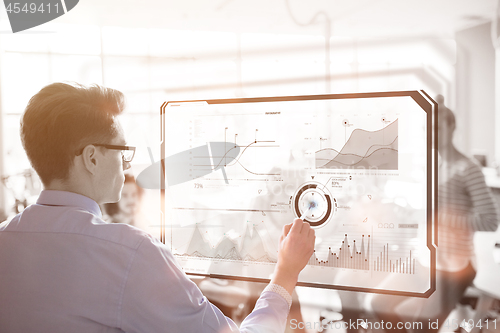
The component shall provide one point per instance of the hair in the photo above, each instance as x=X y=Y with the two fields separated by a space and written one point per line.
x=63 y=118
x=444 y=114
x=113 y=208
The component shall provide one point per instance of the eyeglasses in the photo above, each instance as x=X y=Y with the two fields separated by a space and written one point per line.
x=128 y=152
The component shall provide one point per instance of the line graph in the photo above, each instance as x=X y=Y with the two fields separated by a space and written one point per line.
x=364 y=149
x=221 y=159
x=231 y=154
x=250 y=248
x=254 y=145
x=346 y=257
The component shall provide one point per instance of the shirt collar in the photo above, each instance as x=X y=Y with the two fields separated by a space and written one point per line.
x=63 y=198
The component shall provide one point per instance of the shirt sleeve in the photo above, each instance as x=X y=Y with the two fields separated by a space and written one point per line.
x=158 y=297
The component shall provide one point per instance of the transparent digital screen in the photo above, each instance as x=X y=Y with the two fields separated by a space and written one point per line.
x=357 y=167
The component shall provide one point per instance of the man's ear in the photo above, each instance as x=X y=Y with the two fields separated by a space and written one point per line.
x=89 y=156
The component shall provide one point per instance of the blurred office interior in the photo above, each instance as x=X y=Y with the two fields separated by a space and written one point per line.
x=155 y=51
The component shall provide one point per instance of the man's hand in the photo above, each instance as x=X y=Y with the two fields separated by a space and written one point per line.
x=295 y=249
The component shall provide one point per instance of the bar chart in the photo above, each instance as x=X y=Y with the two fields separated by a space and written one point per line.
x=359 y=256
x=401 y=265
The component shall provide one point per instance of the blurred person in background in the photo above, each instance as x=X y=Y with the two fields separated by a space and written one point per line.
x=465 y=205
x=128 y=209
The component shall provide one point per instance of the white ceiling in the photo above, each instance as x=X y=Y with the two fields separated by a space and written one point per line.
x=355 y=18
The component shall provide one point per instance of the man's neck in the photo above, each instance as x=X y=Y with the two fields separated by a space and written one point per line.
x=59 y=185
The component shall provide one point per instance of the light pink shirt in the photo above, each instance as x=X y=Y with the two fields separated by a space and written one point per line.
x=63 y=269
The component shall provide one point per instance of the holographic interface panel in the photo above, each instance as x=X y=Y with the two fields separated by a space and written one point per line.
x=361 y=168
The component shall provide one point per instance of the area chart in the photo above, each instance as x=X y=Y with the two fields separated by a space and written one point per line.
x=363 y=149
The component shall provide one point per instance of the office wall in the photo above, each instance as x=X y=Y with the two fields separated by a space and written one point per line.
x=3 y=209
x=475 y=95
x=2 y=196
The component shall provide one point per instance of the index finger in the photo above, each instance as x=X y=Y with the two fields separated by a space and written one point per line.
x=297 y=226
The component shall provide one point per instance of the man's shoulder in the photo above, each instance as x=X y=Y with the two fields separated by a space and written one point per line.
x=118 y=233
x=126 y=235
x=76 y=222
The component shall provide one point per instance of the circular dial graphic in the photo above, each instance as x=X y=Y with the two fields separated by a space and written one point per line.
x=316 y=202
